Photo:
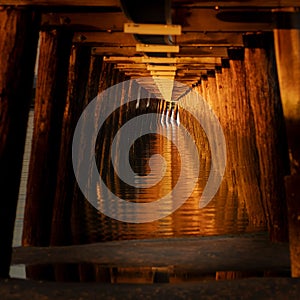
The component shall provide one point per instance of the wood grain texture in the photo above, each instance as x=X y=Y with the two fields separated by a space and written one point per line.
x=287 y=46
x=189 y=3
x=18 y=44
x=271 y=143
x=293 y=195
x=51 y=3
x=92 y=21
x=245 y=3
x=66 y=181
x=50 y=101
x=236 y=118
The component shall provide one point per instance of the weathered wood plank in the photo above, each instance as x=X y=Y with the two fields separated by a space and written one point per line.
x=196 y=66
x=190 y=72
x=133 y=73
x=203 y=51
x=244 y=150
x=66 y=182
x=184 y=51
x=95 y=3
x=114 y=51
x=133 y=70
x=266 y=105
x=51 y=93
x=293 y=203
x=185 y=39
x=104 y=38
x=131 y=66
x=209 y=39
x=247 y=3
x=18 y=44
x=164 y=60
x=102 y=21
x=287 y=46
x=193 y=19
x=201 y=19
x=175 y=3
x=232 y=107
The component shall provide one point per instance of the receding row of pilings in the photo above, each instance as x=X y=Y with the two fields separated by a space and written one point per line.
x=68 y=77
x=244 y=94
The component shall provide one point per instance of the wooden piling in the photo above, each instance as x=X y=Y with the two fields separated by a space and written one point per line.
x=264 y=95
x=84 y=215
x=245 y=153
x=287 y=48
x=66 y=182
x=235 y=116
x=92 y=89
x=18 y=45
x=51 y=93
x=80 y=206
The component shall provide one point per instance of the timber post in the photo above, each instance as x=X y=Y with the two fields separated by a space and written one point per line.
x=66 y=182
x=235 y=116
x=245 y=153
x=264 y=95
x=51 y=93
x=18 y=46
x=287 y=49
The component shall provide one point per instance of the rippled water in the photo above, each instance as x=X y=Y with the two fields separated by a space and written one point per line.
x=22 y=192
x=224 y=214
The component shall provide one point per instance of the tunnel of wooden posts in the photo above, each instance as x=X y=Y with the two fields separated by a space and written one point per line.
x=243 y=58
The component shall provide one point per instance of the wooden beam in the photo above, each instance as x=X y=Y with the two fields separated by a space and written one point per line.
x=205 y=20
x=165 y=76
x=145 y=73
x=156 y=48
x=227 y=4
x=196 y=66
x=101 y=21
x=122 y=59
x=182 y=60
x=183 y=70
x=190 y=72
x=203 y=51
x=135 y=70
x=51 y=3
x=175 y=3
x=161 y=68
x=189 y=76
x=184 y=51
x=192 y=19
x=97 y=38
x=126 y=51
x=163 y=73
x=209 y=39
x=164 y=60
x=152 y=29
x=131 y=66
x=193 y=39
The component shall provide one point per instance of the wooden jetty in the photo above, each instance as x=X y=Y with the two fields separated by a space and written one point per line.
x=243 y=57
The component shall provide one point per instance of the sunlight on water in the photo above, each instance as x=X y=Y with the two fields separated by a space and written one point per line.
x=22 y=191
x=224 y=214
